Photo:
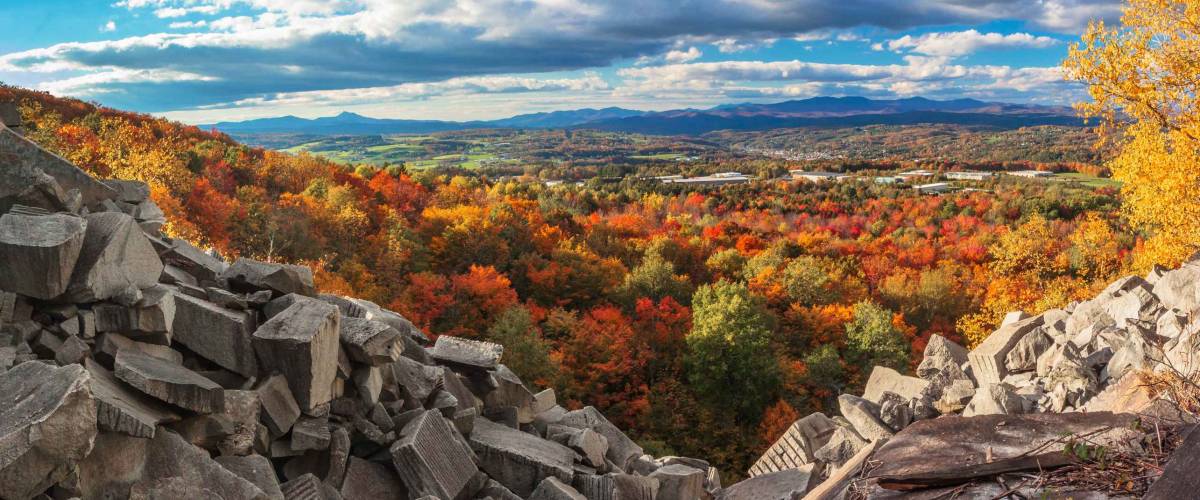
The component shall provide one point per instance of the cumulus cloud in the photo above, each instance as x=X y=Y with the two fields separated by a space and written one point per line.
x=109 y=27
x=682 y=56
x=961 y=43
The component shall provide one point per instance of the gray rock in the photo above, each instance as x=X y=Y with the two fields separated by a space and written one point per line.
x=1024 y=354
x=418 y=380
x=72 y=351
x=109 y=344
x=128 y=191
x=248 y=275
x=305 y=487
x=24 y=159
x=467 y=353
x=38 y=253
x=120 y=409
x=511 y=392
x=864 y=416
x=621 y=449
x=203 y=267
x=152 y=316
x=257 y=470
x=544 y=400
x=279 y=407
x=221 y=335
x=842 y=446
x=431 y=460
x=895 y=411
x=366 y=480
x=783 y=485
x=115 y=463
x=884 y=379
x=369 y=310
x=553 y=489
x=988 y=359
x=302 y=343
x=168 y=456
x=941 y=355
x=310 y=433
x=339 y=455
x=995 y=399
x=680 y=482
x=370 y=342
x=616 y=485
x=519 y=460
x=116 y=257
x=797 y=446
x=169 y=382
x=47 y=426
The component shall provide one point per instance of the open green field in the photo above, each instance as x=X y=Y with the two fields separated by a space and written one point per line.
x=660 y=156
x=1089 y=180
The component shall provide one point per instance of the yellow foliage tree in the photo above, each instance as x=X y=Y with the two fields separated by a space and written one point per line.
x=1142 y=78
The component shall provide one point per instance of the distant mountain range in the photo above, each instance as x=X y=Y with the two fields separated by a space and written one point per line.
x=814 y=112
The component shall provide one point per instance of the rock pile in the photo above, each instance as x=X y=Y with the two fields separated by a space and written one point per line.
x=135 y=366
x=1068 y=365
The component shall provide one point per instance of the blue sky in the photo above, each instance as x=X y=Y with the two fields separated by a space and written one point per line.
x=202 y=61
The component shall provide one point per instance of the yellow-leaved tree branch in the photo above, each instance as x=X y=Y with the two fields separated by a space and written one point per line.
x=1143 y=79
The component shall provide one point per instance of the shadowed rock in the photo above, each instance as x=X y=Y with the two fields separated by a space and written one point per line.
x=20 y=157
x=621 y=449
x=279 y=408
x=553 y=489
x=366 y=480
x=174 y=465
x=169 y=382
x=255 y=469
x=302 y=343
x=116 y=257
x=248 y=275
x=121 y=409
x=38 y=253
x=431 y=460
x=221 y=335
x=517 y=459
x=370 y=342
x=47 y=425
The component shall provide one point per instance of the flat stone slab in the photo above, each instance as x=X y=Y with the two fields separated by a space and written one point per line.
x=431 y=459
x=366 y=480
x=988 y=358
x=256 y=469
x=47 y=426
x=301 y=342
x=797 y=446
x=954 y=450
x=465 y=352
x=187 y=471
x=553 y=489
x=279 y=408
x=38 y=253
x=119 y=408
x=519 y=460
x=169 y=382
x=621 y=449
x=221 y=335
x=783 y=485
x=884 y=379
x=249 y=275
x=116 y=256
x=370 y=342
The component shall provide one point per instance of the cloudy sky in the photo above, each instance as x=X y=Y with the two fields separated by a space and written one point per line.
x=201 y=61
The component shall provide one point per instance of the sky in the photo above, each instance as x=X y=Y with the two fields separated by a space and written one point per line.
x=203 y=61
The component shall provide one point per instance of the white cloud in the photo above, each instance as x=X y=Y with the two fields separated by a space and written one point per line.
x=682 y=56
x=188 y=24
x=109 y=27
x=961 y=43
x=735 y=45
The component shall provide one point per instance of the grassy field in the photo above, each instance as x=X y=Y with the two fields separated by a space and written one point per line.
x=660 y=156
x=1089 y=180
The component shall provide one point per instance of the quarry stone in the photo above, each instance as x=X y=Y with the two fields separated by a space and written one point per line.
x=223 y=336
x=169 y=382
x=302 y=343
x=116 y=257
x=248 y=275
x=38 y=253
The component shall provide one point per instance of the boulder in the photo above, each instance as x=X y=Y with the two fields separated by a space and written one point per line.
x=510 y=392
x=248 y=275
x=173 y=465
x=616 y=485
x=995 y=399
x=370 y=342
x=621 y=449
x=1024 y=354
x=169 y=382
x=109 y=344
x=553 y=489
x=153 y=316
x=38 y=253
x=783 y=485
x=47 y=426
x=308 y=487
x=941 y=355
x=797 y=446
x=680 y=482
x=302 y=343
x=895 y=411
x=431 y=460
x=843 y=444
x=864 y=416
x=279 y=407
x=310 y=433
x=200 y=265
x=518 y=460
x=884 y=379
x=988 y=359
x=257 y=470
x=23 y=158
x=116 y=260
x=466 y=353
x=121 y=409
x=115 y=463
x=221 y=335
x=367 y=480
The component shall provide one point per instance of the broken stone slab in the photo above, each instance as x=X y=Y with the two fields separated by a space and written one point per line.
x=884 y=379
x=843 y=444
x=366 y=480
x=22 y=157
x=109 y=344
x=220 y=335
x=797 y=446
x=895 y=411
x=202 y=266
x=248 y=275
x=114 y=464
x=783 y=485
x=72 y=351
x=169 y=382
x=621 y=449
x=941 y=355
x=519 y=460
x=680 y=482
x=511 y=392
x=1024 y=354
x=954 y=450
x=370 y=342
x=255 y=469
x=467 y=353
x=116 y=257
x=47 y=426
x=544 y=400
x=121 y=409
x=302 y=343
x=128 y=191
x=988 y=359
x=431 y=460
x=369 y=310
x=995 y=399
x=310 y=433
x=864 y=416
x=169 y=456
x=279 y=407
x=553 y=489
x=308 y=487
x=1128 y=394
x=419 y=381
x=154 y=314
x=836 y=485
x=616 y=485
x=38 y=253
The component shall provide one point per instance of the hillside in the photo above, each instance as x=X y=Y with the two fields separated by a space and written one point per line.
x=602 y=285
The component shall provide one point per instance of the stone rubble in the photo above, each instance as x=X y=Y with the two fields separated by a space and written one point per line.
x=137 y=366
